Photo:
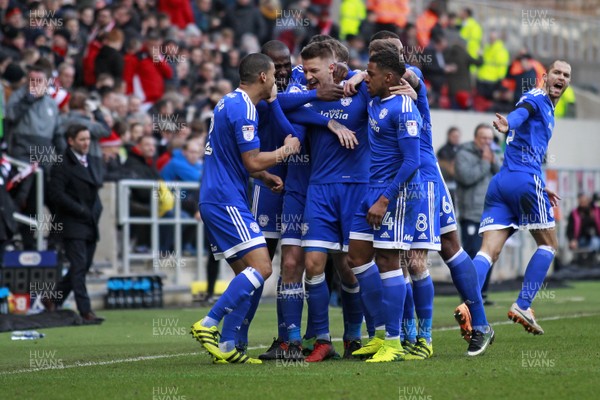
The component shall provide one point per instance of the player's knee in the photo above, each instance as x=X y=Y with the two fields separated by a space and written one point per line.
x=314 y=266
x=416 y=262
x=291 y=269
x=450 y=245
x=264 y=269
x=356 y=260
x=386 y=262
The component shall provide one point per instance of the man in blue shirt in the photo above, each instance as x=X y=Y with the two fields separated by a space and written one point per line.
x=232 y=152
x=338 y=175
x=386 y=219
x=517 y=197
x=461 y=266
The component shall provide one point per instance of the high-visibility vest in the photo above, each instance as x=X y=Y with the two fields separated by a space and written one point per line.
x=472 y=33
x=568 y=97
x=352 y=13
x=495 y=62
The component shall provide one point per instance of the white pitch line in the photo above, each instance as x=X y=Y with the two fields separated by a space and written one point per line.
x=161 y=356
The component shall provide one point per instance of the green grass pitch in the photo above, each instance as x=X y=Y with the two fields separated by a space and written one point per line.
x=150 y=355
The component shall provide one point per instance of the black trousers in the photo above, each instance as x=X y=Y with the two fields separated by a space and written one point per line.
x=80 y=254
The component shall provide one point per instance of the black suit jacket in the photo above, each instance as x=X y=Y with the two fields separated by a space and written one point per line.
x=74 y=192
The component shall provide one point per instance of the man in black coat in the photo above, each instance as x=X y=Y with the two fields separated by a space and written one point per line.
x=74 y=186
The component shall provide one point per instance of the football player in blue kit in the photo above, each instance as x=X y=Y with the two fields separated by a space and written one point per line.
x=517 y=197
x=385 y=224
x=232 y=153
x=284 y=212
x=338 y=175
x=461 y=266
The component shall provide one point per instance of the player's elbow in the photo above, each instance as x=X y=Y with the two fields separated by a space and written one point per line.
x=255 y=166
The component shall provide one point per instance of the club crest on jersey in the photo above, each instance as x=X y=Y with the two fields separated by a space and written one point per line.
x=263 y=220
x=254 y=227
x=383 y=113
x=248 y=132
x=346 y=101
x=412 y=128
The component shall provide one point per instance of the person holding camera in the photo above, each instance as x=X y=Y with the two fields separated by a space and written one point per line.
x=475 y=165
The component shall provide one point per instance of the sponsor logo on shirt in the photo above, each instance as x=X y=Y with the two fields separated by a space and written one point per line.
x=412 y=128
x=248 y=132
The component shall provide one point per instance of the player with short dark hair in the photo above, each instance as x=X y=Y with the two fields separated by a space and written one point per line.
x=387 y=216
x=232 y=153
x=461 y=266
x=517 y=197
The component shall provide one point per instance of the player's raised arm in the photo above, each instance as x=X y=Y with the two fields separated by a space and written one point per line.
x=525 y=109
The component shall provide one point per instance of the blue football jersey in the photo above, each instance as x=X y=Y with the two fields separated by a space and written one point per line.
x=332 y=163
x=298 y=172
x=390 y=120
x=526 y=145
x=270 y=139
x=297 y=77
x=428 y=168
x=233 y=131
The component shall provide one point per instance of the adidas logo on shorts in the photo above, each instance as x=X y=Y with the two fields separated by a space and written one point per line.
x=422 y=236
x=450 y=220
x=385 y=235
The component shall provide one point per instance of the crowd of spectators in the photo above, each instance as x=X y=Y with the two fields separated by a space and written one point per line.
x=144 y=75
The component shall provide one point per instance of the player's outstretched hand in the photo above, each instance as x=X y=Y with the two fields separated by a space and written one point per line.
x=330 y=92
x=500 y=123
x=352 y=83
x=346 y=136
x=340 y=72
x=377 y=211
x=553 y=197
x=273 y=94
x=273 y=182
x=291 y=145
x=404 y=88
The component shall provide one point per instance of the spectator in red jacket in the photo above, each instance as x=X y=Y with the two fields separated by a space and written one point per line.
x=130 y=62
x=180 y=11
x=152 y=70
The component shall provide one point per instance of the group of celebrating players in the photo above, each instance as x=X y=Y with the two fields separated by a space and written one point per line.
x=343 y=165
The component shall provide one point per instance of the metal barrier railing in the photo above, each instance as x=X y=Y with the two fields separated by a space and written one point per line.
x=154 y=221
x=39 y=204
